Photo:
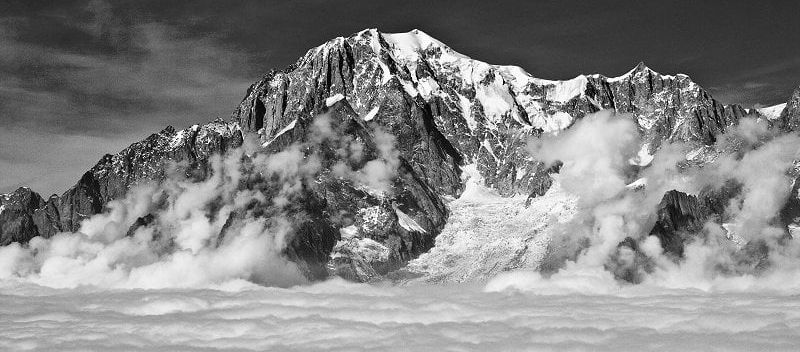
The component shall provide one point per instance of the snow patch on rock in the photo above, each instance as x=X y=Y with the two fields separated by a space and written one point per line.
x=643 y=157
x=371 y=114
x=640 y=183
x=406 y=46
x=288 y=128
x=466 y=111
x=333 y=99
x=564 y=91
x=179 y=137
x=408 y=222
x=495 y=99
x=772 y=112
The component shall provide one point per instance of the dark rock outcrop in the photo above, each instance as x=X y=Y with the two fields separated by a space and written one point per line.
x=789 y=119
x=680 y=217
x=25 y=215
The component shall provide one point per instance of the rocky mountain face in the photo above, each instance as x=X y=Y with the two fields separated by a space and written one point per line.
x=486 y=112
x=442 y=109
x=789 y=119
x=112 y=177
x=679 y=215
x=24 y=215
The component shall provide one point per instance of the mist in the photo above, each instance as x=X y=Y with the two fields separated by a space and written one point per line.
x=188 y=233
x=180 y=247
x=598 y=157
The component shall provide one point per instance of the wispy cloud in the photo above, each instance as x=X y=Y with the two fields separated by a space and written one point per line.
x=52 y=98
x=766 y=84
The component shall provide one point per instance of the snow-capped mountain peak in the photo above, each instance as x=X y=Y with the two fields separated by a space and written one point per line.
x=418 y=111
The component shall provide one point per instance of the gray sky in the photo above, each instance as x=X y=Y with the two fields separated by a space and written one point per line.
x=79 y=79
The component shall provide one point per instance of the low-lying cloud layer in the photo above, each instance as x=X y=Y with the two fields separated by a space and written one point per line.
x=338 y=316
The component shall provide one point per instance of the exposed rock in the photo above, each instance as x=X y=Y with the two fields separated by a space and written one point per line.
x=790 y=116
x=629 y=264
x=485 y=112
x=680 y=217
x=22 y=214
x=48 y=218
x=790 y=213
x=331 y=203
x=139 y=223
x=150 y=160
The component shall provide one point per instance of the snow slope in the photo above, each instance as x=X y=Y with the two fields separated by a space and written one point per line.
x=487 y=234
x=772 y=112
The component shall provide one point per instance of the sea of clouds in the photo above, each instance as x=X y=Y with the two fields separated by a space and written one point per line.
x=339 y=316
x=175 y=285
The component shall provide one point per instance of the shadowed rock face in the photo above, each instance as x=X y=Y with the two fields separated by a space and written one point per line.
x=187 y=151
x=680 y=216
x=679 y=219
x=112 y=177
x=444 y=110
x=17 y=212
x=790 y=116
x=790 y=213
x=377 y=222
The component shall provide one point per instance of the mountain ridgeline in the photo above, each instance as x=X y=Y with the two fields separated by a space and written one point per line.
x=441 y=110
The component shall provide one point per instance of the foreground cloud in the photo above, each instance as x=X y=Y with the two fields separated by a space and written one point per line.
x=187 y=236
x=744 y=244
x=237 y=222
x=337 y=316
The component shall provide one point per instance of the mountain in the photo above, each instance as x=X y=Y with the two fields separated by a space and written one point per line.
x=420 y=113
x=486 y=112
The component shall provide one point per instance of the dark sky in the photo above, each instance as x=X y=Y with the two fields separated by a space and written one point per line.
x=79 y=79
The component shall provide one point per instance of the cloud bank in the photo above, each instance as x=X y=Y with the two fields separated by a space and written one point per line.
x=338 y=316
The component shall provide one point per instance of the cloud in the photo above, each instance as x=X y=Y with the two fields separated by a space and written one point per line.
x=593 y=154
x=181 y=233
x=336 y=316
x=192 y=239
x=596 y=168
